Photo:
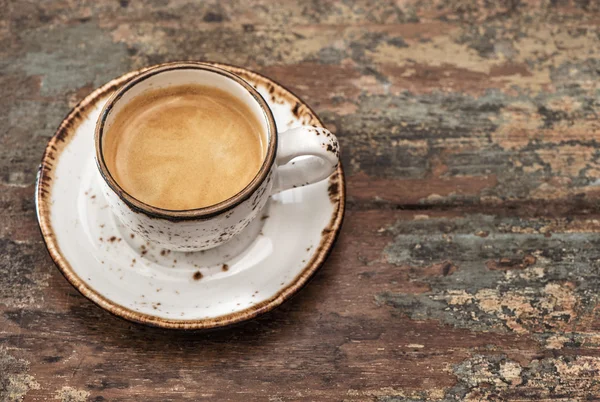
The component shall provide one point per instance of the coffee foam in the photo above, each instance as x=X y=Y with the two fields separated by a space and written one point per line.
x=184 y=147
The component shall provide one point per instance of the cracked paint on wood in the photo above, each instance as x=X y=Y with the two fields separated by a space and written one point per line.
x=468 y=265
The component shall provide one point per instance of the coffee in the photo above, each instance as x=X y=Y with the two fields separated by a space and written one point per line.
x=184 y=147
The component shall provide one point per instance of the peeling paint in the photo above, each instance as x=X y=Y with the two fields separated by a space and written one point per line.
x=15 y=381
x=70 y=394
x=544 y=293
x=484 y=377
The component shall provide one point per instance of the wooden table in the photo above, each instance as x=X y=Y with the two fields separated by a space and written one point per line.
x=468 y=266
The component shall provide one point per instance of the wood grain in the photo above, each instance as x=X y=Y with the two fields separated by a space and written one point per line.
x=468 y=264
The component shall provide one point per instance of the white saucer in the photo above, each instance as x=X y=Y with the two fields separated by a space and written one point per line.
x=253 y=274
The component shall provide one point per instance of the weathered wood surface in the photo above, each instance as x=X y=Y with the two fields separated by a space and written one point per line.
x=469 y=262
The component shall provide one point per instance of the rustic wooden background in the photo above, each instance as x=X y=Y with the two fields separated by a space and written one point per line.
x=469 y=262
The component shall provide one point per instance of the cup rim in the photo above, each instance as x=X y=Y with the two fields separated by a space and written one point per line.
x=197 y=213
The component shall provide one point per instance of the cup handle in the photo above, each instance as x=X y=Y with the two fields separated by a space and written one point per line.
x=320 y=154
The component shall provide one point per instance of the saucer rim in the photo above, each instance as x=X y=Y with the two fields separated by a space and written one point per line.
x=62 y=137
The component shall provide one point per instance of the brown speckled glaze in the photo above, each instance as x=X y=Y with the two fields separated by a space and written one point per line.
x=196 y=229
x=190 y=234
x=208 y=227
x=43 y=203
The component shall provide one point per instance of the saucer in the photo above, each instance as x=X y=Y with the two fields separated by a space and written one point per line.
x=252 y=274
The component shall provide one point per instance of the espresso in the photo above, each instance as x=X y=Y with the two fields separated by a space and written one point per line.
x=184 y=147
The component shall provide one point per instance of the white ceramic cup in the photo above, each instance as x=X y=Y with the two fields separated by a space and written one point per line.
x=204 y=228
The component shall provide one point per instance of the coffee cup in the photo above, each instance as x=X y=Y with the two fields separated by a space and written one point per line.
x=293 y=158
